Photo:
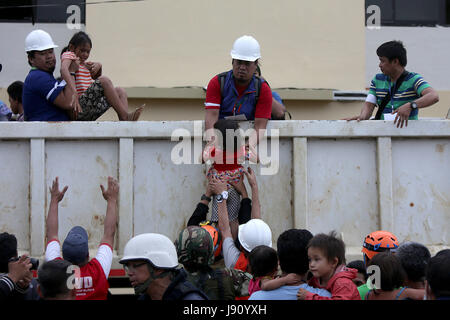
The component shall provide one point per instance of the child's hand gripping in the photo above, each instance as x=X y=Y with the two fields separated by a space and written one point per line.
x=301 y=294
x=94 y=68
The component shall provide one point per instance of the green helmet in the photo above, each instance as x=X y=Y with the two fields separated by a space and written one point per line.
x=195 y=247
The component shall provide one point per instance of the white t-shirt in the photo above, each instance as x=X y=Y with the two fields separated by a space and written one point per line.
x=230 y=252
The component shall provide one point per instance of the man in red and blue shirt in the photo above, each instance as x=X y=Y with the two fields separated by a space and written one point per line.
x=239 y=93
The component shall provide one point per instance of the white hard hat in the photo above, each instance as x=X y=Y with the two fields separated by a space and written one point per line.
x=153 y=247
x=254 y=233
x=38 y=40
x=246 y=48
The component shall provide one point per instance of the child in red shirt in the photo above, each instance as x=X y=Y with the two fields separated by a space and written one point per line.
x=227 y=164
x=326 y=255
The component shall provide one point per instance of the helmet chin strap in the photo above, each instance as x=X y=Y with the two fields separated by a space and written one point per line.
x=142 y=288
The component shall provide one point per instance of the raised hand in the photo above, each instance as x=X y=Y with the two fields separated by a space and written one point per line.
x=112 y=193
x=56 y=194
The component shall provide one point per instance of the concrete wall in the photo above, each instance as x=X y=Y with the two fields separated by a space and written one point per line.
x=164 y=43
x=427 y=50
x=354 y=178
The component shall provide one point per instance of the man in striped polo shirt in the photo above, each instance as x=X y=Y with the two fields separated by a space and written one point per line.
x=414 y=92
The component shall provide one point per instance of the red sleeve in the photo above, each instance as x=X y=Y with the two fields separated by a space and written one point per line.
x=264 y=105
x=343 y=289
x=213 y=96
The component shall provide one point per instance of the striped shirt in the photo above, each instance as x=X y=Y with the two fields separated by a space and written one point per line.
x=83 y=79
x=410 y=90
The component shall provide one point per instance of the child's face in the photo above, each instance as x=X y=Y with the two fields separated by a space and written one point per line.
x=83 y=51
x=319 y=265
x=14 y=105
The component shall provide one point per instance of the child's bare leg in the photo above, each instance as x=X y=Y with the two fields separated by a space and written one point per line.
x=122 y=96
x=113 y=98
x=131 y=116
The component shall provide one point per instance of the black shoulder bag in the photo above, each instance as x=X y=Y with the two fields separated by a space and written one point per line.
x=388 y=95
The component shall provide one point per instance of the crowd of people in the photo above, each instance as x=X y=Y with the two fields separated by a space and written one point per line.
x=205 y=262
x=229 y=256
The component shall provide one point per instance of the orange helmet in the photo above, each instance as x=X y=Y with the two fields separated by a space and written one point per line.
x=215 y=235
x=379 y=241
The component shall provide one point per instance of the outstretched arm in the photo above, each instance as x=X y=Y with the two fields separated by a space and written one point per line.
x=224 y=224
x=272 y=284
x=52 y=217
x=202 y=208
x=110 y=195
x=366 y=112
x=256 y=207
x=68 y=98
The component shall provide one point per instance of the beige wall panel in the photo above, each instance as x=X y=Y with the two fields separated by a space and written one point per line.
x=308 y=44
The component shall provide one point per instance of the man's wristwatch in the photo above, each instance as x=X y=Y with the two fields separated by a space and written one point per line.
x=205 y=197
x=222 y=196
x=413 y=105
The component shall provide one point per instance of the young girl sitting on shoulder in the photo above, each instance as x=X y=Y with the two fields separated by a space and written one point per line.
x=263 y=262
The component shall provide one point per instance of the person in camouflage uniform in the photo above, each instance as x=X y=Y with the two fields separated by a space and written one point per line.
x=196 y=252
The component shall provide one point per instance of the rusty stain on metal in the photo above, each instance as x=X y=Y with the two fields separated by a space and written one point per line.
x=440 y=148
x=101 y=162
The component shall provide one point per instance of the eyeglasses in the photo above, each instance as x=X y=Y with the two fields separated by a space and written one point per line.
x=133 y=266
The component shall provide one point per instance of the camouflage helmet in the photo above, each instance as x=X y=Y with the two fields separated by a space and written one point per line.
x=195 y=246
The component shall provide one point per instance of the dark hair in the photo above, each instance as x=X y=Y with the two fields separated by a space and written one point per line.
x=392 y=274
x=79 y=39
x=225 y=126
x=263 y=260
x=65 y=49
x=414 y=258
x=393 y=50
x=52 y=278
x=8 y=250
x=438 y=275
x=358 y=265
x=331 y=246
x=292 y=251
x=30 y=55
x=15 y=90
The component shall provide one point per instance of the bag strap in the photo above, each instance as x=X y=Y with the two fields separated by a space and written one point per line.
x=388 y=95
x=221 y=77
